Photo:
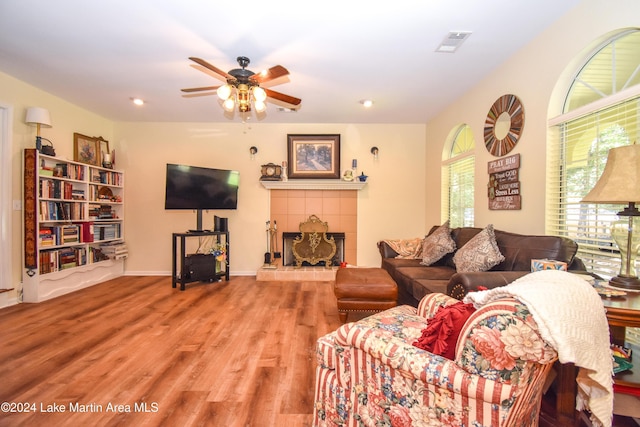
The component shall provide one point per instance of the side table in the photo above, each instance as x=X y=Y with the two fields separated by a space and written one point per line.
x=183 y=276
x=622 y=312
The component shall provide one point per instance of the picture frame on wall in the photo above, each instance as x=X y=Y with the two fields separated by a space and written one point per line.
x=86 y=149
x=313 y=156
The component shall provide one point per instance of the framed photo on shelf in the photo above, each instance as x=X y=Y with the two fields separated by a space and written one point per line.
x=86 y=149
x=313 y=156
x=103 y=149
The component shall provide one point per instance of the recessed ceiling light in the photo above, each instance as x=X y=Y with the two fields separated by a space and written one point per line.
x=137 y=101
x=366 y=102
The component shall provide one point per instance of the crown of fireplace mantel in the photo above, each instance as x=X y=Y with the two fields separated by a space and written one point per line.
x=313 y=184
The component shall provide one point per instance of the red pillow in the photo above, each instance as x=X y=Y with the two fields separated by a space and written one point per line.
x=441 y=334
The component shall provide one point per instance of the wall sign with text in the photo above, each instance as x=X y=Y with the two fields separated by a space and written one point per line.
x=504 y=183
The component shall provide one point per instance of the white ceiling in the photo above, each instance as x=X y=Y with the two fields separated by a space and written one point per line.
x=99 y=54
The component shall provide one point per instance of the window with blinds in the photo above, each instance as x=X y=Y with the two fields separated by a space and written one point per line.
x=458 y=180
x=604 y=101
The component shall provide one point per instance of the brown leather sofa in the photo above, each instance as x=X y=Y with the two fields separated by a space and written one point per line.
x=415 y=280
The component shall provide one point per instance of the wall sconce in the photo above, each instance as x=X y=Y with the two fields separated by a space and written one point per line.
x=374 y=151
x=253 y=150
x=40 y=117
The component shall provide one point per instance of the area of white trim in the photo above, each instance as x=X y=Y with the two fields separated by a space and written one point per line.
x=6 y=203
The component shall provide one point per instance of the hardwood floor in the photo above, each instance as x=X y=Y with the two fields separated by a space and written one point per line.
x=135 y=351
x=237 y=353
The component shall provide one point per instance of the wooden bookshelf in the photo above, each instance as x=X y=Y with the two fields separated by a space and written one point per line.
x=71 y=211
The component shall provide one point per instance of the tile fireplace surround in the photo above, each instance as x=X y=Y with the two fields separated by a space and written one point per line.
x=291 y=206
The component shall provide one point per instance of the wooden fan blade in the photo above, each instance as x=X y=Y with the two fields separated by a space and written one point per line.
x=216 y=70
x=282 y=97
x=270 y=74
x=200 y=89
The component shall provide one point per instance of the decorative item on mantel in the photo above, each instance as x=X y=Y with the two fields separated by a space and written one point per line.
x=362 y=177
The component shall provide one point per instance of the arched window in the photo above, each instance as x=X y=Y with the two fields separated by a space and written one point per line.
x=601 y=111
x=458 y=179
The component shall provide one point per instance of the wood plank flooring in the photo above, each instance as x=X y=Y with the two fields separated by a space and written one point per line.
x=237 y=353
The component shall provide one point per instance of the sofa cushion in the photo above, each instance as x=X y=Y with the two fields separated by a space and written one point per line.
x=519 y=250
x=423 y=287
x=480 y=253
x=441 y=334
x=437 y=244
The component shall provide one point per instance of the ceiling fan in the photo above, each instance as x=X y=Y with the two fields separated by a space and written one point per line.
x=243 y=86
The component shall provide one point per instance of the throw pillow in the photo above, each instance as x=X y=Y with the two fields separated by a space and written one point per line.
x=480 y=253
x=441 y=334
x=437 y=244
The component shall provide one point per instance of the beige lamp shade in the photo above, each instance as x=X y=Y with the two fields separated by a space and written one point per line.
x=38 y=116
x=620 y=181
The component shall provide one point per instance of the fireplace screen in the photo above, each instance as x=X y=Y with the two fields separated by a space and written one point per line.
x=288 y=259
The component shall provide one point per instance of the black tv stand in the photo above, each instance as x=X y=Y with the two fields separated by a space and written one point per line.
x=197 y=267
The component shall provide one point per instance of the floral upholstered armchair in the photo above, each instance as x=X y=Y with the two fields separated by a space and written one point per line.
x=370 y=373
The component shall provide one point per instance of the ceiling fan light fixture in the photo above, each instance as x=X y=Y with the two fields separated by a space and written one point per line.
x=224 y=92
x=244 y=100
x=260 y=106
x=228 y=104
x=259 y=94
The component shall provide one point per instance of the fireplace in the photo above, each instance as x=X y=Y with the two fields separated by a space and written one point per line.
x=288 y=259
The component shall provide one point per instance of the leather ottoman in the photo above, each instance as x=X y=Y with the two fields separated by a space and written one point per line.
x=364 y=289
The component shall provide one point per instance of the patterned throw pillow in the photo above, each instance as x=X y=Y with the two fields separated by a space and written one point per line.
x=480 y=253
x=437 y=244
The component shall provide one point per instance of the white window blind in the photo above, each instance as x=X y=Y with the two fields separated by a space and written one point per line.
x=458 y=180
x=577 y=155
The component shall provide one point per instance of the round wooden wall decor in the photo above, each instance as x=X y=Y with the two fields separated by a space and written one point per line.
x=504 y=125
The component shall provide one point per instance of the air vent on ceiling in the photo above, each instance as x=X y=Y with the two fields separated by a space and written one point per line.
x=452 y=41
x=286 y=110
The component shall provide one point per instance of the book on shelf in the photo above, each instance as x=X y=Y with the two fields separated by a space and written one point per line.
x=115 y=250
x=87 y=232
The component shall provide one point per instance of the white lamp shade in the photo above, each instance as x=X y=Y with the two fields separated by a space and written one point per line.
x=228 y=104
x=259 y=94
x=38 y=116
x=224 y=92
x=618 y=183
x=260 y=106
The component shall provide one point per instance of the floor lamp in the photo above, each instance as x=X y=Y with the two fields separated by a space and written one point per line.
x=620 y=184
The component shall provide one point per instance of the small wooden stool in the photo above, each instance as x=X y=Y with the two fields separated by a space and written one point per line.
x=364 y=289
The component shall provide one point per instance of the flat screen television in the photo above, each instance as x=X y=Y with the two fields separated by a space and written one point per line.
x=198 y=188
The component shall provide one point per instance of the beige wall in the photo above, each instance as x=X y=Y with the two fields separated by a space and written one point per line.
x=532 y=74
x=392 y=205
x=66 y=119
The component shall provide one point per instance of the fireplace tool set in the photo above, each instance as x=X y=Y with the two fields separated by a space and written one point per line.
x=272 y=246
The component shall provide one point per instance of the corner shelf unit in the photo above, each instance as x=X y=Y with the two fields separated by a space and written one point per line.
x=73 y=221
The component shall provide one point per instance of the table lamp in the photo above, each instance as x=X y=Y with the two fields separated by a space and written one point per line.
x=40 y=117
x=620 y=184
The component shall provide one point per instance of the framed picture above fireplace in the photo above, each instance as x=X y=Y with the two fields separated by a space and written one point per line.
x=313 y=156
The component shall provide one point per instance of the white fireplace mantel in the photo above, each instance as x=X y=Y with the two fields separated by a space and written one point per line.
x=313 y=184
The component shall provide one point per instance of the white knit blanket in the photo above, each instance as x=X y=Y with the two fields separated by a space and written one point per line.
x=572 y=319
